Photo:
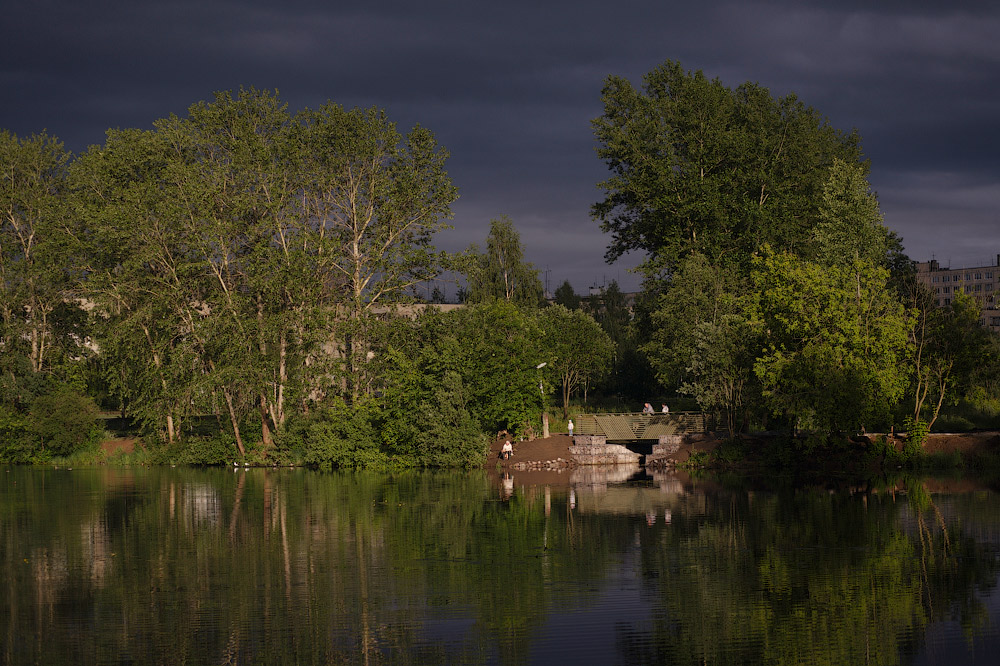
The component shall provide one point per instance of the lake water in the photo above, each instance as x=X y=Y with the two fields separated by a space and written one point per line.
x=169 y=566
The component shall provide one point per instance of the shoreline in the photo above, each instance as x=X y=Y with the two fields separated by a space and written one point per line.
x=553 y=453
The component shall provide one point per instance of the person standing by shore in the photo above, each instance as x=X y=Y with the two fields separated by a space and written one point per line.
x=569 y=426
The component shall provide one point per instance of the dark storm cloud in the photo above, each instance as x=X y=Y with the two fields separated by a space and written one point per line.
x=511 y=88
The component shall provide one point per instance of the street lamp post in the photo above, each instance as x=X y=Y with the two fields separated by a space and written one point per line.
x=541 y=389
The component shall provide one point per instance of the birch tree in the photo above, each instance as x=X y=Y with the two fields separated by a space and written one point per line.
x=35 y=277
x=378 y=198
x=500 y=273
x=232 y=247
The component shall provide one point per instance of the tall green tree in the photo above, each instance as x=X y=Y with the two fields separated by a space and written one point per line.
x=380 y=197
x=948 y=346
x=237 y=189
x=143 y=277
x=700 y=167
x=631 y=374
x=40 y=318
x=500 y=273
x=576 y=349
x=567 y=297
x=849 y=226
x=500 y=346
x=232 y=249
x=834 y=355
x=704 y=340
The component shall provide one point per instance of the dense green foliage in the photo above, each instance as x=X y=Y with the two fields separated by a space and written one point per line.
x=578 y=350
x=699 y=167
x=255 y=269
x=226 y=251
x=835 y=340
x=779 y=298
x=567 y=297
x=500 y=273
x=234 y=262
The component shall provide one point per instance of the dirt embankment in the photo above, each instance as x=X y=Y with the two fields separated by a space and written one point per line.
x=126 y=444
x=538 y=450
x=966 y=443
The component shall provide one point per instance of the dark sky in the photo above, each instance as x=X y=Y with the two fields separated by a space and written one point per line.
x=510 y=89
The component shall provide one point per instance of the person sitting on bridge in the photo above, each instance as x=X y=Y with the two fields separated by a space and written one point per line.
x=665 y=410
x=647 y=408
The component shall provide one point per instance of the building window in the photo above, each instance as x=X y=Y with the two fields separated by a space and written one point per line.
x=989 y=275
x=947 y=290
x=947 y=301
x=967 y=276
x=989 y=286
x=936 y=278
x=994 y=321
x=946 y=278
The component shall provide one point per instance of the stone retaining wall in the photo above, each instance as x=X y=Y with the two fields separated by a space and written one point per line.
x=665 y=448
x=590 y=440
x=603 y=454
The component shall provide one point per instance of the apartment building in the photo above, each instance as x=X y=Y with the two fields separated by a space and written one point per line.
x=982 y=282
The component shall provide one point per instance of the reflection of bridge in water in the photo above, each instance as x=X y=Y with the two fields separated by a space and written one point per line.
x=614 y=490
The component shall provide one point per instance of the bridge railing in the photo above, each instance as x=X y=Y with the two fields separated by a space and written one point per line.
x=632 y=426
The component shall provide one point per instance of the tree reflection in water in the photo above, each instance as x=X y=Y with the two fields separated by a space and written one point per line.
x=269 y=566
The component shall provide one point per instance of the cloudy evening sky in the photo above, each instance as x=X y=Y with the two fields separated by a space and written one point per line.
x=510 y=88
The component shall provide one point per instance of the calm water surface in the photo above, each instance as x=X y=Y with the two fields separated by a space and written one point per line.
x=170 y=566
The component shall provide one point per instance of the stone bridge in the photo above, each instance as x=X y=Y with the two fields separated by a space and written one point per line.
x=634 y=427
x=615 y=439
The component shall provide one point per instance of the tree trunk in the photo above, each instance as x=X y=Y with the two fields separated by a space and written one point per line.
x=266 y=429
x=282 y=378
x=171 y=434
x=266 y=409
x=235 y=422
x=350 y=393
x=943 y=385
